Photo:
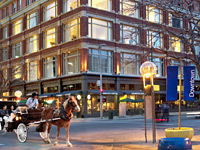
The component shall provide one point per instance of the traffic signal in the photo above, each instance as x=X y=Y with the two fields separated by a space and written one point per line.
x=101 y=90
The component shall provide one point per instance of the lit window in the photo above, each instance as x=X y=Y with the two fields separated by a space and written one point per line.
x=32 y=20
x=16 y=50
x=50 y=67
x=100 y=29
x=19 y=3
x=5 y=32
x=5 y=53
x=130 y=64
x=154 y=39
x=175 y=22
x=72 y=30
x=175 y=44
x=50 y=38
x=32 y=44
x=17 y=27
x=129 y=35
x=101 y=4
x=153 y=14
x=71 y=62
x=50 y=11
x=14 y=8
x=106 y=61
x=32 y=71
x=17 y=72
x=69 y=5
x=129 y=8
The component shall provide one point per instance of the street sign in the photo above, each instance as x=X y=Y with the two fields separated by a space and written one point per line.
x=98 y=82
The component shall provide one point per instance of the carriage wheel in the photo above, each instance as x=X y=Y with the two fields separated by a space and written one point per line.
x=22 y=132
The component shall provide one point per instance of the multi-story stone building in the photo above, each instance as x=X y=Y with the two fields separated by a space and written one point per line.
x=52 y=47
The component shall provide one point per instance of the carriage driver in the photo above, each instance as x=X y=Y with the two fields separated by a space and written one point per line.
x=32 y=102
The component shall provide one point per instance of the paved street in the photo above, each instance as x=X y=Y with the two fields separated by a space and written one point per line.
x=118 y=134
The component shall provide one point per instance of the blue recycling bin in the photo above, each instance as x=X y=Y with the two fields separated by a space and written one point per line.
x=175 y=144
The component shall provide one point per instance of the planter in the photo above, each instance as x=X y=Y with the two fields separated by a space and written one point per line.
x=184 y=132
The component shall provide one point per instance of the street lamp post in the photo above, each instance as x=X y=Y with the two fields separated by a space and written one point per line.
x=149 y=69
x=101 y=92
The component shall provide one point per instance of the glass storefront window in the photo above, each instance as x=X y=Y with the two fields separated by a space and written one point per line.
x=130 y=64
x=32 y=44
x=153 y=14
x=69 y=5
x=32 y=20
x=17 y=50
x=50 y=38
x=53 y=89
x=129 y=35
x=129 y=8
x=101 y=4
x=50 y=67
x=32 y=71
x=50 y=11
x=154 y=39
x=17 y=27
x=107 y=61
x=71 y=62
x=100 y=29
x=72 y=30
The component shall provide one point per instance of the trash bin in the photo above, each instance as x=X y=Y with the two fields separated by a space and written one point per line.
x=110 y=114
x=175 y=144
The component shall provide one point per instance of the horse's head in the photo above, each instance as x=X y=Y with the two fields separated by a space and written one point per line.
x=71 y=103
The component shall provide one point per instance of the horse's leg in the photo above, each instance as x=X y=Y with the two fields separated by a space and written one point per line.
x=67 y=136
x=45 y=126
x=58 y=132
x=48 y=133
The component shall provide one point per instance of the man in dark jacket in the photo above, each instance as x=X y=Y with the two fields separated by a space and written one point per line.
x=5 y=114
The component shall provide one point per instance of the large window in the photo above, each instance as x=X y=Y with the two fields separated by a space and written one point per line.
x=154 y=39
x=32 y=71
x=100 y=29
x=17 y=50
x=14 y=8
x=175 y=22
x=101 y=4
x=32 y=44
x=129 y=35
x=50 y=38
x=129 y=8
x=71 y=62
x=17 y=27
x=197 y=47
x=19 y=3
x=50 y=67
x=130 y=64
x=7 y=11
x=5 y=32
x=3 y=13
x=153 y=14
x=160 y=66
x=69 y=5
x=32 y=20
x=175 y=44
x=50 y=11
x=5 y=53
x=72 y=30
x=106 y=61
x=16 y=72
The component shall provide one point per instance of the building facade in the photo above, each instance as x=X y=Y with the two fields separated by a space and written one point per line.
x=52 y=47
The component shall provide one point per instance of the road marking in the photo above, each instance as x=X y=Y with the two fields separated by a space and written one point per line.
x=2 y=144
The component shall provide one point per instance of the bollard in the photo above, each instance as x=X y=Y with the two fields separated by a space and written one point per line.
x=175 y=144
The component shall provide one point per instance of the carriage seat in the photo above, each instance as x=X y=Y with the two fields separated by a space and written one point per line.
x=22 y=110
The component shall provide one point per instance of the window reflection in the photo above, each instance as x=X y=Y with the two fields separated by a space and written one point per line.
x=69 y=5
x=175 y=44
x=72 y=30
x=154 y=14
x=154 y=39
x=32 y=45
x=17 y=27
x=16 y=50
x=50 y=67
x=32 y=71
x=50 y=38
x=50 y=11
x=32 y=20
x=129 y=8
x=101 y=4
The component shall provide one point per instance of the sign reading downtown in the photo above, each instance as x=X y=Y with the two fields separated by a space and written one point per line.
x=172 y=83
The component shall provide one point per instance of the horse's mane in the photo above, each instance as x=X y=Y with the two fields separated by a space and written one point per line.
x=66 y=103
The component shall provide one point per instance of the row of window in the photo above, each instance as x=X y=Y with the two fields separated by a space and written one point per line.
x=129 y=8
x=130 y=64
x=98 y=29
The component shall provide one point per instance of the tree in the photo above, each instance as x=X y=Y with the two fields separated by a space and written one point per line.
x=183 y=25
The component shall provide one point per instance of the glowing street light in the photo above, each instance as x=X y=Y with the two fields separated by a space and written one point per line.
x=149 y=69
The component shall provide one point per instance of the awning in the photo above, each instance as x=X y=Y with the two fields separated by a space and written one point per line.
x=48 y=95
x=132 y=92
x=131 y=100
x=71 y=92
x=59 y=94
x=105 y=92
